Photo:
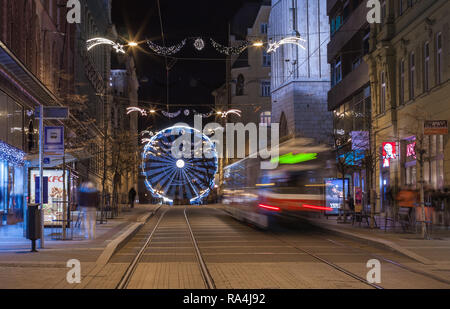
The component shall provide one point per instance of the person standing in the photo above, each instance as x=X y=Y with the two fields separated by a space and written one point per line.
x=132 y=197
x=88 y=200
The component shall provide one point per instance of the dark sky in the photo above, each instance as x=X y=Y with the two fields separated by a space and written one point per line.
x=191 y=80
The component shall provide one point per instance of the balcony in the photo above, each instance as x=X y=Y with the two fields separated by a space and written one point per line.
x=354 y=81
x=354 y=23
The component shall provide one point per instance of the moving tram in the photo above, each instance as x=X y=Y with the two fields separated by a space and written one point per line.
x=296 y=187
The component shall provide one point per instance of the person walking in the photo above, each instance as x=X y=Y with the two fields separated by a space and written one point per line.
x=132 y=197
x=88 y=200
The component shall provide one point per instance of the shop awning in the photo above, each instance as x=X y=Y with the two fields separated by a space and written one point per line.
x=14 y=70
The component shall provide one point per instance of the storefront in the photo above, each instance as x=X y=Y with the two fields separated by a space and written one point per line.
x=12 y=185
x=433 y=166
x=12 y=163
x=55 y=183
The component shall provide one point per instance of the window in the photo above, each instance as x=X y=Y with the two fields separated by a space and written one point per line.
x=292 y=21
x=264 y=28
x=267 y=59
x=402 y=82
x=336 y=23
x=426 y=68
x=382 y=93
x=412 y=72
x=265 y=89
x=266 y=118
x=337 y=70
x=439 y=58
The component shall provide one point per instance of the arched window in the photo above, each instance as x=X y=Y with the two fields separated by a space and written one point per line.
x=283 y=126
x=240 y=85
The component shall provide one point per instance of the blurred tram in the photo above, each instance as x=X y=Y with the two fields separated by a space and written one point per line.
x=296 y=186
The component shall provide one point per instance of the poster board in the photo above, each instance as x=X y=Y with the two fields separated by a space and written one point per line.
x=334 y=194
x=53 y=192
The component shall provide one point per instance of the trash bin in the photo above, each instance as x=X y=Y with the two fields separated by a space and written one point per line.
x=33 y=224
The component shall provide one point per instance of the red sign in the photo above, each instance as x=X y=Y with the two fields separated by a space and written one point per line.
x=411 y=150
x=389 y=152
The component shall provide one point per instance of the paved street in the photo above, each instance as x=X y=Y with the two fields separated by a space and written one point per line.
x=294 y=255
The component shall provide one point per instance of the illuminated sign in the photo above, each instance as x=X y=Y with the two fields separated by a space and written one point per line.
x=411 y=150
x=53 y=192
x=334 y=194
x=389 y=152
x=436 y=127
x=290 y=158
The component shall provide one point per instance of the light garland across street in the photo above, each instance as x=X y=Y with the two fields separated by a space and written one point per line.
x=119 y=48
x=289 y=40
x=166 y=51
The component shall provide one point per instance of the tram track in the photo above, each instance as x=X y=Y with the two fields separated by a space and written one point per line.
x=137 y=260
x=357 y=249
x=215 y=251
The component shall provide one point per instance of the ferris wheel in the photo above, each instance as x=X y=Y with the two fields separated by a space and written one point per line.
x=185 y=176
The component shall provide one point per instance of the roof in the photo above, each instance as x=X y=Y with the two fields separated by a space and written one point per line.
x=245 y=18
x=241 y=61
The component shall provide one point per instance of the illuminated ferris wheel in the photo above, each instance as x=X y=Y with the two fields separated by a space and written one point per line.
x=177 y=171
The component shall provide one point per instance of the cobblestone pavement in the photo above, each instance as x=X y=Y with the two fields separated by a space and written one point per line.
x=47 y=269
x=237 y=256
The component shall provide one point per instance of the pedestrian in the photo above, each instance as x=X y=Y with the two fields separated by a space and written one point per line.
x=132 y=197
x=88 y=200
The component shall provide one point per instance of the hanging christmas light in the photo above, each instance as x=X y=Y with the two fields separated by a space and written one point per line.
x=11 y=154
x=289 y=40
x=236 y=112
x=142 y=111
x=204 y=115
x=230 y=50
x=166 y=51
x=199 y=44
x=103 y=41
x=171 y=115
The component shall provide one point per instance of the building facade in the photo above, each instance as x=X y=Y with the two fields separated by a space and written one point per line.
x=43 y=61
x=300 y=77
x=409 y=69
x=350 y=97
x=249 y=72
x=124 y=129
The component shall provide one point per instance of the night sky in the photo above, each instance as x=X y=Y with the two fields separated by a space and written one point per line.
x=195 y=74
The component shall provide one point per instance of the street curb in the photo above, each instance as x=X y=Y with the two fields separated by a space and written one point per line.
x=115 y=245
x=386 y=244
x=118 y=242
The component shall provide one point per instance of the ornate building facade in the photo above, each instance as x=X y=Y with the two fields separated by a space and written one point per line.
x=301 y=76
